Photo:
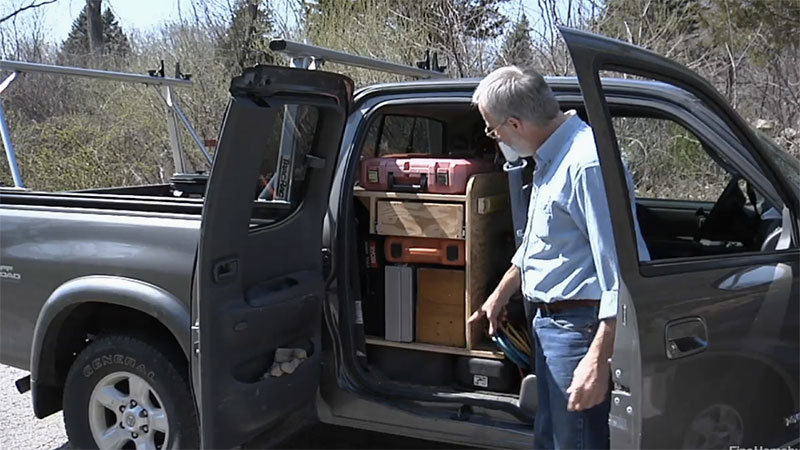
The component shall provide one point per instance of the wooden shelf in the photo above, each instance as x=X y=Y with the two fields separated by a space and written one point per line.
x=482 y=217
x=358 y=191
x=435 y=348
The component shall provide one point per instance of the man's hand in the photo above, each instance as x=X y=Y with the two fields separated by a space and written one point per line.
x=494 y=308
x=589 y=384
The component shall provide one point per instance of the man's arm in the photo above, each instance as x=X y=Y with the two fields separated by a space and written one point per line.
x=589 y=208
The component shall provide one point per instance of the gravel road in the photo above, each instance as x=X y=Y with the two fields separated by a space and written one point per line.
x=19 y=428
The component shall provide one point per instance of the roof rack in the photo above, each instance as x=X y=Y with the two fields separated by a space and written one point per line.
x=307 y=56
x=156 y=78
x=301 y=55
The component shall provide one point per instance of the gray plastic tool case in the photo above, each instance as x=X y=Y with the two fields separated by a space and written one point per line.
x=399 y=303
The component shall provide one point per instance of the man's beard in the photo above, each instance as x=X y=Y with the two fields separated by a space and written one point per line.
x=521 y=146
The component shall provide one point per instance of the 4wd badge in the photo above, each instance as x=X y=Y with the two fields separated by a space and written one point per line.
x=7 y=273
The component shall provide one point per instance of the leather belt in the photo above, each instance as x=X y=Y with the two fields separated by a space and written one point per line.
x=563 y=305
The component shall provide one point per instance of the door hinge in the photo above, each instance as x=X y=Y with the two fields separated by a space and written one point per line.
x=326 y=262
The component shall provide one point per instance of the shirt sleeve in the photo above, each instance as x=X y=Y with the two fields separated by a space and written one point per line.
x=517 y=259
x=589 y=208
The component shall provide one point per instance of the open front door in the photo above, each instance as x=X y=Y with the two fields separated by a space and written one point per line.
x=259 y=282
x=700 y=351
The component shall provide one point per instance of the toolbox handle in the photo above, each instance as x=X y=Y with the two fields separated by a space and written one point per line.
x=421 y=187
x=423 y=251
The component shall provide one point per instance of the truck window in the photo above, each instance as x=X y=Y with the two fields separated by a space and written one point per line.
x=393 y=134
x=690 y=202
x=284 y=164
x=667 y=161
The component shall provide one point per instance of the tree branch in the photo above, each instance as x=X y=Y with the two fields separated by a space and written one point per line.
x=24 y=8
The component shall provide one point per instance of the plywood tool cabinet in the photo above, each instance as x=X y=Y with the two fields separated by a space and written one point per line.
x=482 y=218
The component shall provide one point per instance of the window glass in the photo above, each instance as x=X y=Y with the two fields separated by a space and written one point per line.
x=285 y=162
x=394 y=134
x=668 y=161
x=688 y=203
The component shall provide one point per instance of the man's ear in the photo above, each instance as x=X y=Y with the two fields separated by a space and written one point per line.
x=515 y=123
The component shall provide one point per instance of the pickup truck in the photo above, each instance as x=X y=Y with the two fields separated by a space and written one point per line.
x=161 y=319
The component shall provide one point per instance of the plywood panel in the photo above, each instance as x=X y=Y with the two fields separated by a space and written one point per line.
x=422 y=219
x=440 y=307
x=371 y=340
x=489 y=245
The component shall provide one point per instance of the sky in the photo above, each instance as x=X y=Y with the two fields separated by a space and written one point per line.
x=145 y=15
x=131 y=14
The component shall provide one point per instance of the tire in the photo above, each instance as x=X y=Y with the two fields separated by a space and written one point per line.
x=728 y=421
x=122 y=390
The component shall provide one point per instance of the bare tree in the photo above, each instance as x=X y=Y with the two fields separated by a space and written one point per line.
x=32 y=5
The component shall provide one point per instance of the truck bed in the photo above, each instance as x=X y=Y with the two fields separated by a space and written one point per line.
x=51 y=238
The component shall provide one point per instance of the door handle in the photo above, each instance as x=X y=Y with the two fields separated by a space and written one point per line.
x=225 y=270
x=684 y=337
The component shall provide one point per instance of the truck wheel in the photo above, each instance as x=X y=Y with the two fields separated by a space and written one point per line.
x=123 y=392
x=728 y=421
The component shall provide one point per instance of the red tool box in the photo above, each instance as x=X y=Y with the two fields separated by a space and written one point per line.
x=434 y=175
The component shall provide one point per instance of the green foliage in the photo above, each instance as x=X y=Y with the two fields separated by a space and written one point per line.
x=401 y=30
x=776 y=20
x=387 y=30
x=74 y=134
x=669 y=27
x=667 y=161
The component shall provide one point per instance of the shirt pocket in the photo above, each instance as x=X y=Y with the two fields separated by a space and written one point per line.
x=542 y=215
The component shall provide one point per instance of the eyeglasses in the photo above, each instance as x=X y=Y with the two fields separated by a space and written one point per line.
x=493 y=132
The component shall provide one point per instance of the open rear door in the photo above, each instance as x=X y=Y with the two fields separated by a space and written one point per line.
x=259 y=282
x=684 y=356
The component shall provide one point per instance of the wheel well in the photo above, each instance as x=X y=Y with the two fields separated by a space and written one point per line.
x=721 y=379
x=76 y=328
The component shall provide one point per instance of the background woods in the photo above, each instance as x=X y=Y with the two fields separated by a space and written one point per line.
x=76 y=134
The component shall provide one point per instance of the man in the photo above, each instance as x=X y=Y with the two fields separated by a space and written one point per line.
x=566 y=264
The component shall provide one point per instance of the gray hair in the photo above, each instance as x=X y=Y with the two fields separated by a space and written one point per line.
x=513 y=91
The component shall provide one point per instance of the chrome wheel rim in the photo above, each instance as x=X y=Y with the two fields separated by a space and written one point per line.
x=125 y=412
x=718 y=426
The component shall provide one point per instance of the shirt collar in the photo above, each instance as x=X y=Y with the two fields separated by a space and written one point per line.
x=557 y=141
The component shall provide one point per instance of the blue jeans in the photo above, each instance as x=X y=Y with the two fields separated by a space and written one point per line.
x=561 y=340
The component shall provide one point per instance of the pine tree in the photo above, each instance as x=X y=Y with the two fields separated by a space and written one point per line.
x=76 y=45
x=246 y=41
x=518 y=47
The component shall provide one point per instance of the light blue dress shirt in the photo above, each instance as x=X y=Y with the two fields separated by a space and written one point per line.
x=568 y=248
